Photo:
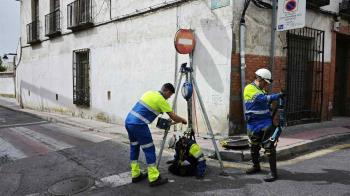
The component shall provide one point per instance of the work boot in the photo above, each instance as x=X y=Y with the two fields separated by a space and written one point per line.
x=253 y=170
x=158 y=182
x=254 y=151
x=272 y=176
x=139 y=178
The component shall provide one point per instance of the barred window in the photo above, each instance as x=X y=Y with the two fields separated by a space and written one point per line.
x=81 y=79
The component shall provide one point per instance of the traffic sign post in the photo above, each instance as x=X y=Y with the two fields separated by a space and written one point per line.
x=291 y=14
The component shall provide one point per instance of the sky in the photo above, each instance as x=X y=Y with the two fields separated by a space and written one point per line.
x=9 y=26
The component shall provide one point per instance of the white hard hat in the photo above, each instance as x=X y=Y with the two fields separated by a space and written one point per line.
x=265 y=74
x=175 y=138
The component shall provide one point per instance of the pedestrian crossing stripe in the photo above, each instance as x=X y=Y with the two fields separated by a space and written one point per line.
x=53 y=144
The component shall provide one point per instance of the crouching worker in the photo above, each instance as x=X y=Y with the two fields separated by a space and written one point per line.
x=188 y=159
x=143 y=113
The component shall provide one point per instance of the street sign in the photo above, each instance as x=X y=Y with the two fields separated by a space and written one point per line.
x=291 y=14
x=219 y=3
x=184 y=41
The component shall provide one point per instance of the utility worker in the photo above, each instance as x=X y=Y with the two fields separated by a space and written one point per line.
x=259 y=121
x=151 y=104
x=188 y=159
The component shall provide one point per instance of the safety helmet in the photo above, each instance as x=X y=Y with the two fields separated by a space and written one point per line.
x=175 y=138
x=264 y=74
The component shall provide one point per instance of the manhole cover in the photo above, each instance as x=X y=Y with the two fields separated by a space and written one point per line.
x=235 y=143
x=71 y=186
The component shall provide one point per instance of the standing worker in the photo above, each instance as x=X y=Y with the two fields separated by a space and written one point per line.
x=151 y=104
x=259 y=121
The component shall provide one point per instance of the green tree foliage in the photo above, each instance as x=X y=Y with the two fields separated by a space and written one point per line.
x=2 y=67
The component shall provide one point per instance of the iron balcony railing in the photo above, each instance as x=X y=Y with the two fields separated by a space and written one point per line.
x=344 y=7
x=79 y=14
x=33 y=32
x=317 y=3
x=53 y=23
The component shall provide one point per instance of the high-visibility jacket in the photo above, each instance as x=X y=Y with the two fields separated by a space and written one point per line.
x=257 y=105
x=151 y=104
x=192 y=153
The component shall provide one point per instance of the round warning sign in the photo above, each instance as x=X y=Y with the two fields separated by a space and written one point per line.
x=291 y=5
x=184 y=41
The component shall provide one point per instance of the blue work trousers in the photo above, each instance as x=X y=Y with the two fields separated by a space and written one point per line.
x=140 y=136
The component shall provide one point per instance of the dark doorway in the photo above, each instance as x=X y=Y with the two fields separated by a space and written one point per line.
x=341 y=105
x=304 y=86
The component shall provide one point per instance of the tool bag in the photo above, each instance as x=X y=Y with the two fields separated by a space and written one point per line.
x=163 y=123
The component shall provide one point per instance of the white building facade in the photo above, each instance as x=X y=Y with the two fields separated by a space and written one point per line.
x=95 y=58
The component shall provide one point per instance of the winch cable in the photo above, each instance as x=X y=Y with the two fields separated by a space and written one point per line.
x=195 y=111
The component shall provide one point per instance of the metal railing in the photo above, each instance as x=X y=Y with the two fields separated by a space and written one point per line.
x=304 y=80
x=79 y=14
x=344 y=7
x=33 y=32
x=53 y=23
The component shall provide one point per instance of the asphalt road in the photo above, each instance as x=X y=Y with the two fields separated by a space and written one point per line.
x=35 y=154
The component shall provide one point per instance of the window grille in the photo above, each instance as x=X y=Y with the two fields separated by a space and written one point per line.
x=81 y=79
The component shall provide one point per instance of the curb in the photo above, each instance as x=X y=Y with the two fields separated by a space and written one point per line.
x=323 y=142
x=19 y=110
x=286 y=153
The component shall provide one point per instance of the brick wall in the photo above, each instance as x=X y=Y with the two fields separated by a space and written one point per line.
x=255 y=62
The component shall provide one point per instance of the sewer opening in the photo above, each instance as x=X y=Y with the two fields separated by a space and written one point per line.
x=71 y=186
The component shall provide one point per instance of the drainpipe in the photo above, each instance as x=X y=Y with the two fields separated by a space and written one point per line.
x=273 y=40
x=242 y=31
x=110 y=9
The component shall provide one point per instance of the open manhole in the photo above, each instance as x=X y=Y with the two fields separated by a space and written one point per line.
x=235 y=143
x=71 y=186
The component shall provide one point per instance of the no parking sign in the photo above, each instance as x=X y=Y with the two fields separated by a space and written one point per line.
x=291 y=14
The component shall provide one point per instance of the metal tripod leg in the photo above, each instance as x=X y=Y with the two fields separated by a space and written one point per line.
x=162 y=147
x=209 y=127
x=167 y=131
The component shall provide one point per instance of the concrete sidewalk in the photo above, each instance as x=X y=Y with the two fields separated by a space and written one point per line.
x=293 y=141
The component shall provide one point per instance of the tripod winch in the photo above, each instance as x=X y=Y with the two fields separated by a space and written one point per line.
x=188 y=88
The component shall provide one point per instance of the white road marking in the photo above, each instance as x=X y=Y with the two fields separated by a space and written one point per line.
x=48 y=141
x=109 y=181
x=12 y=152
x=115 y=180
